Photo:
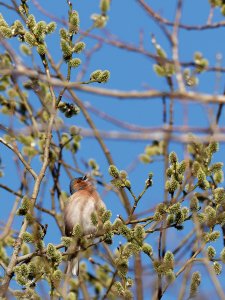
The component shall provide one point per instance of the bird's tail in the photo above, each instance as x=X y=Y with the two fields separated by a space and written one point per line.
x=73 y=263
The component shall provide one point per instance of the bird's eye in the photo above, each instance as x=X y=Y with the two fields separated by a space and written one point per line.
x=84 y=177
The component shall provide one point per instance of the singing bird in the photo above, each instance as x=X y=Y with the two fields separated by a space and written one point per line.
x=83 y=202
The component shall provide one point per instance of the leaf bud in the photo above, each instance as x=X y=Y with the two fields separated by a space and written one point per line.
x=173 y=157
x=173 y=209
x=74 y=62
x=211 y=252
x=31 y=22
x=147 y=249
x=74 y=22
x=106 y=216
x=195 y=282
x=104 y=5
x=79 y=47
x=222 y=255
x=113 y=171
x=30 y=39
x=217 y=267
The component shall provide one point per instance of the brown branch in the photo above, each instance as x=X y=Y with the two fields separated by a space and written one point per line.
x=158 y=18
x=20 y=156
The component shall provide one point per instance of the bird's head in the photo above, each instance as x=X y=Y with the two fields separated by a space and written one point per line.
x=80 y=183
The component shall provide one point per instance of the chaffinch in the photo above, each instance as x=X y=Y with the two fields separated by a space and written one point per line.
x=83 y=202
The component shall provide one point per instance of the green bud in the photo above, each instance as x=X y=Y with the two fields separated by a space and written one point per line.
x=63 y=34
x=161 y=52
x=122 y=266
x=108 y=237
x=31 y=22
x=104 y=76
x=216 y=167
x=218 y=177
x=170 y=276
x=222 y=255
x=169 y=172
x=113 y=171
x=211 y=252
x=74 y=22
x=172 y=185
x=173 y=209
x=79 y=47
x=107 y=227
x=201 y=218
x=195 y=167
x=117 y=224
x=74 y=62
x=51 y=27
x=223 y=9
x=131 y=249
x=71 y=296
x=32 y=269
x=99 y=20
x=169 y=69
x=51 y=250
x=185 y=212
x=94 y=219
x=217 y=267
x=27 y=237
x=194 y=204
x=173 y=157
x=211 y=237
x=77 y=231
x=170 y=219
x=139 y=233
x=210 y=212
x=127 y=184
x=5 y=32
x=41 y=49
x=214 y=147
x=119 y=288
x=25 y=49
x=161 y=208
x=17 y=27
x=144 y=158
x=106 y=216
x=169 y=259
x=210 y=216
x=128 y=295
x=66 y=241
x=123 y=175
x=201 y=175
x=25 y=205
x=104 y=5
x=125 y=231
x=57 y=276
x=22 y=269
x=221 y=218
x=94 y=75
x=182 y=167
x=147 y=249
x=195 y=282
x=159 y=70
x=30 y=39
x=157 y=216
x=66 y=49
x=57 y=258
x=202 y=182
x=73 y=129
x=40 y=29
x=3 y=22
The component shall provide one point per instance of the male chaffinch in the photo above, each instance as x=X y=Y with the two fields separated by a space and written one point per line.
x=83 y=202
